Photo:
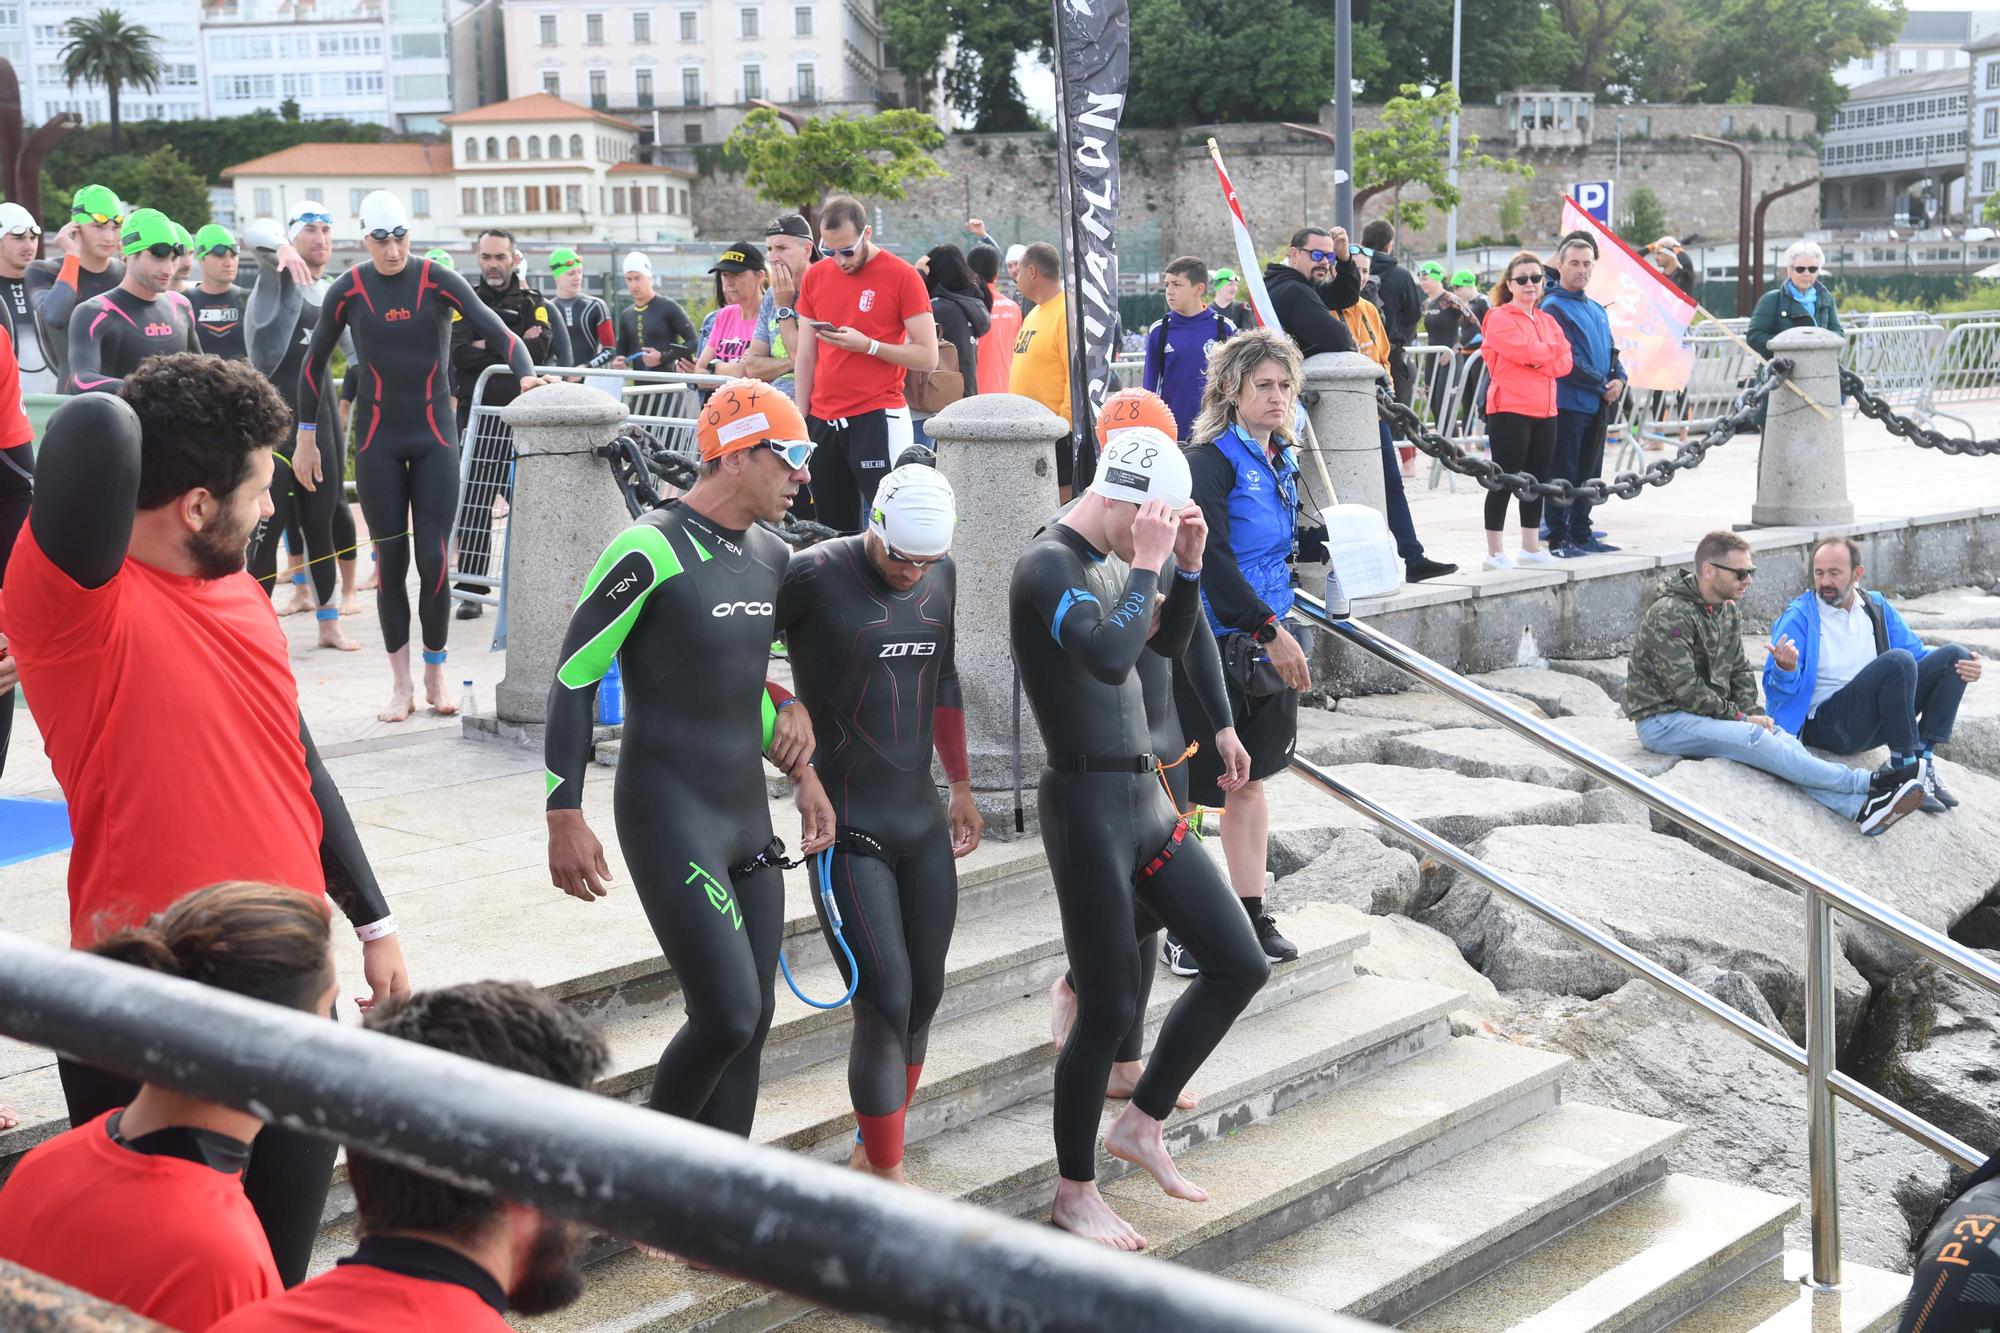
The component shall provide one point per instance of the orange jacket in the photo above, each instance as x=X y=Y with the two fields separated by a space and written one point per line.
x=1526 y=352
x=1371 y=335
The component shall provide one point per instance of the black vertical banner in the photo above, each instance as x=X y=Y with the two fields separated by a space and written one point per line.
x=1093 y=60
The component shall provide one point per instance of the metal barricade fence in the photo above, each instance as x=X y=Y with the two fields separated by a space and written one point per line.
x=1966 y=367
x=1722 y=367
x=1461 y=413
x=1895 y=359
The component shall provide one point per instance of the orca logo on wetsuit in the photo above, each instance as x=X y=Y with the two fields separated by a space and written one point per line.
x=747 y=608
x=907 y=649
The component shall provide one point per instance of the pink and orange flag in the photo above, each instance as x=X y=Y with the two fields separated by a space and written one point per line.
x=1649 y=314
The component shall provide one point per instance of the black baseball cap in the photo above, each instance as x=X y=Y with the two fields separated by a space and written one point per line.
x=741 y=257
x=789 y=224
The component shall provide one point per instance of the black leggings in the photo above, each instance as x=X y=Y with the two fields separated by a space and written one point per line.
x=316 y=514
x=898 y=917
x=1520 y=444
x=287 y=1180
x=17 y=491
x=409 y=486
x=1100 y=831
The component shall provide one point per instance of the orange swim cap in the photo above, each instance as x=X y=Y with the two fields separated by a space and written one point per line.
x=745 y=413
x=1135 y=407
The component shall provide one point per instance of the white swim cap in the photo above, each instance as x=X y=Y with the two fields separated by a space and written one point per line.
x=1143 y=464
x=382 y=211
x=263 y=234
x=308 y=211
x=638 y=262
x=15 y=218
x=915 y=510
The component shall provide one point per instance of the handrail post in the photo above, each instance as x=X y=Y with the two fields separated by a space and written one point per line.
x=1822 y=1156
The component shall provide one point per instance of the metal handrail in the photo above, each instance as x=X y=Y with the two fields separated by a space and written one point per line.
x=1821 y=894
x=775 y=1217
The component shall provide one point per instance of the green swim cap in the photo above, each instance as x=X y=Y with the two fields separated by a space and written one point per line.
x=563 y=260
x=95 y=201
x=1465 y=277
x=1223 y=275
x=214 y=236
x=441 y=257
x=187 y=241
x=1430 y=268
x=148 y=227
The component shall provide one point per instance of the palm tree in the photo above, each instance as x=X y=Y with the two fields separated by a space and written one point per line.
x=105 y=49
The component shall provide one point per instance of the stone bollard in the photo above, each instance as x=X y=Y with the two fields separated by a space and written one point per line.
x=1347 y=426
x=1802 y=466
x=998 y=452
x=565 y=511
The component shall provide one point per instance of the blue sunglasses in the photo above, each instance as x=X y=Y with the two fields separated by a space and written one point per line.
x=794 y=452
x=327 y=218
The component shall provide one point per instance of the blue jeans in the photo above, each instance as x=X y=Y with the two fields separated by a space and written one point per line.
x=1896 y=700
x=1396 y=503
x=1579 y=457
x=1779 y=753
x=918 y=435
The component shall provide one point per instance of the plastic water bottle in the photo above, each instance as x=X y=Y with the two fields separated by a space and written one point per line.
x=1337 y=605
x=465 y=699
x=611 y=698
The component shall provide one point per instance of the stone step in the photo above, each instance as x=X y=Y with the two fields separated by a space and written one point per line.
x=1774 y=1300
x=1411 y=1246
x=1272 y=1061
x=980 y=1060
x=1635 y=1268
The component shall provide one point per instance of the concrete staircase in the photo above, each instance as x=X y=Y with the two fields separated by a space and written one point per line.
x=1360 y=1156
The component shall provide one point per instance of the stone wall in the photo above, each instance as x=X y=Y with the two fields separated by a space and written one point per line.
x=1172 y=205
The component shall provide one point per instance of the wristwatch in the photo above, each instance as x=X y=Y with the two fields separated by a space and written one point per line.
x=785 y=312
x=1268 y=631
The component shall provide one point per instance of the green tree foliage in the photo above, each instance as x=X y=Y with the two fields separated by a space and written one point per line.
x=1784 y=52
x=980 y=83
x=1197 y=61
x=160 y=179
x=208 y=146
x=1504 y=44
x=1411 y=146
x=870 y=157
x=1645 y=217
x=1513 y=214
x=1989 y=212
x=104 y=49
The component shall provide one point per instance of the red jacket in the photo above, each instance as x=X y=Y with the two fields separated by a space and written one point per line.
x=1526 y=352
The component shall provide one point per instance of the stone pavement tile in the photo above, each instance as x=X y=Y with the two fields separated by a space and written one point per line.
x=1482 y=752
x=1606 y=673
x=1429 y=708
x=1615 y=738
x=1450 y=805
x=1328 y=736
x=1558 y=693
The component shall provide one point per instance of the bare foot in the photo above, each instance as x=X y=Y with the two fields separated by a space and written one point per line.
x=1135 y=1137
x=331 y=635
x=350 y=605
x=653 y=1252
x=1062 y=1010
x=302 y=602
x=9 y=1117
x=435 y=693
x=400 y=704
x=858 y=1161
x=1080 y=1210
x=368 y=584
x=1125 y=1078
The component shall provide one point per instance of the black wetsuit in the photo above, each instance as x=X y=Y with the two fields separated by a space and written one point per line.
x=54 y=302
x=17 y=493
x=587 y=320
x=37 y=374
x=686 y=608
x=876 y=669
x=110 y=335
x=405 y=459
x=660 y=324
x=278 y=323
x=218 y=321
x=1956 y=1285
x=1079 y=623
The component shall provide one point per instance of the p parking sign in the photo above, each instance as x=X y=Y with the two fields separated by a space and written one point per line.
x=1594 y=197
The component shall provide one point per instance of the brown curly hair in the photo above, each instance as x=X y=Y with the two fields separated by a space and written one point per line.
x=201 y=418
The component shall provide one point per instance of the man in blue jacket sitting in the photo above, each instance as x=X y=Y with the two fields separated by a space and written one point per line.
x=1585 y=398
x=1846 y=673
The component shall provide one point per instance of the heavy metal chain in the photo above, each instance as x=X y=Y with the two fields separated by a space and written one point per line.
x=637 y=457
x=1877 y=409
x=1409 y=428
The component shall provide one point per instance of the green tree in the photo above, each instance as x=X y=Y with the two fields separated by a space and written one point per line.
x=985 y=39
x=1409 y=41
x=105 y=49
x=871 y=157
x=1195 y=61
x=288 y=110
x=1989 y=212
x=1784 y=52
x=1411 y=146
x=1513 y=214
x=209 y=146
x=1601 y=31
x=161 y=179
x=1645 y=217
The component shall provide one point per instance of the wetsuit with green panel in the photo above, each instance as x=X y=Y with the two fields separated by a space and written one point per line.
x=685 y=608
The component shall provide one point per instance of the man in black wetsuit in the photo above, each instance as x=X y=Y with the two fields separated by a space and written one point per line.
x=218 y=302
x=405 y=460
x=20 y=241
x=587 y=320
x=868 y=624
x=654 y=333
x=683 y=601
x=1956 y=1285
x=89 y=267
x=1079 y=621
x=143 y=316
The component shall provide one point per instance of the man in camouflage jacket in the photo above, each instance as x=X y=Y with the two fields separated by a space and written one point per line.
x=1692 y=692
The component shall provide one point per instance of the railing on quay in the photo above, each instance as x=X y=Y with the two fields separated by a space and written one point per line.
x=1821 y=895
x=778 y=1218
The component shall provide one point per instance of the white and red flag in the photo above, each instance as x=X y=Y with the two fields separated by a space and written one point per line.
x=1246 y=249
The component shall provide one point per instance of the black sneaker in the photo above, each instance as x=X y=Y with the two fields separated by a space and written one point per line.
x=470 y=610
x=1420 y=569
x=1891 y=795
x=1937 y=800
x=1178 y=960
x=1276 y=947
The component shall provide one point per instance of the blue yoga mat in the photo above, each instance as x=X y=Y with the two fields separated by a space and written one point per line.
x=29 y=829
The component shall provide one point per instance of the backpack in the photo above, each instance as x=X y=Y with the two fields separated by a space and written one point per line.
x=1156 y=340
x=931 y=391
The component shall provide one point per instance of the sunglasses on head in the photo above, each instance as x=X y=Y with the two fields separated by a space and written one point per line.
x=794 y=452
x=326 y=218
x=386 y=233
x=100 y=217
x=896 y=557
x=840 y=252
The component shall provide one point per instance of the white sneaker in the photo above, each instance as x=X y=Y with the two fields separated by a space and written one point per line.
x=1537 y=559
x=1497 y=562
